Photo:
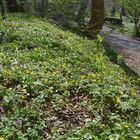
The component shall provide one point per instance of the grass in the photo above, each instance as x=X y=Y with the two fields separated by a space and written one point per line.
x=57 y=85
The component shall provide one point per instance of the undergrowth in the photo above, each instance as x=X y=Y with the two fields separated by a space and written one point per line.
x=56 y=85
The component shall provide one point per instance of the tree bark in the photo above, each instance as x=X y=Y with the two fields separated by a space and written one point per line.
x=97 y=15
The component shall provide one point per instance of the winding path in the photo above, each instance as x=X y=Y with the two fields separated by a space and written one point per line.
x=128 y=47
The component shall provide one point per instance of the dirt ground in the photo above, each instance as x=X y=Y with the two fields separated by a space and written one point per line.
x=128 y=47
x=131 y=58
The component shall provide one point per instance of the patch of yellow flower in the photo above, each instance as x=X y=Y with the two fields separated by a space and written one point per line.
x=121 y=92
x=118 y=100
x=46 y=81
x=50 y=90
x=17 y=67
x=23 y=90
x=135 y=137
x=134 y=91
x=82 y=76
x=1 y=138
x=28 y=72
x=55 y=73
x=92 y=75
x=57 y=81
x=7 y=72
x=100 y=38
x=126 y=126
x=23 y=97
x=63 y=65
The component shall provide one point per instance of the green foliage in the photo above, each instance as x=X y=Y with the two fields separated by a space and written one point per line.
x=64 y=9
x=133 y=9
x=57 y=85
x=131 y=5
x=126 y=29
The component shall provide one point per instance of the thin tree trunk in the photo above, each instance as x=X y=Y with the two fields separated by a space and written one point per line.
x=43 y=8
x=113 y=11
x=137 y=30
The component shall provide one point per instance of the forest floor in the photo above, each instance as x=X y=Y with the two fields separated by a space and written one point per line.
x=128 y=47
x=56 y=85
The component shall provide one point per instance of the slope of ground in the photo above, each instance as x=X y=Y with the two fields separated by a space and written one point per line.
x=57 y=85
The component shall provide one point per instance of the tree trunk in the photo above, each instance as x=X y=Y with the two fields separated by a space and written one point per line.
x=123 y=12
x=97 y=15
x=44 y=7
x=137 y=30
x=137 y=26
x=113 y=11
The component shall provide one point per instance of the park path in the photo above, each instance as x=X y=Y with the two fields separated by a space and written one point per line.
x=128 y=47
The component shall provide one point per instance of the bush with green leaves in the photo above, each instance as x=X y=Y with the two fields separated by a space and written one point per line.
x=57 y=85
x=63 y=10
x=133 y=9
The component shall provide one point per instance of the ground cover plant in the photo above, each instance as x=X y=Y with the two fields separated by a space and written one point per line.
x=126 y=29
x=57 y=85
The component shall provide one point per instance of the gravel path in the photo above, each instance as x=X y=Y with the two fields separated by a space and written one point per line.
x=128 y=47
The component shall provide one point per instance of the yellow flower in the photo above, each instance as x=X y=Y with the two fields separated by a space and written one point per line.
x=121 y=93
x=17 y=67
x=1 y=138
x=135 y=137
x=23 y=90
x=94 y=75
x=100 y=39
x=57 y=81
x=28 y=72
x=138 y=91
x=7 y=71
x=63 y=65
x=73 y=81
x=118 y=81
x=23 y=97
x=118 y=100
x=82 y=76
x=46 y=81
x=50 y=90
x=55 y=73
x=134 y=91
x=126 y=126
